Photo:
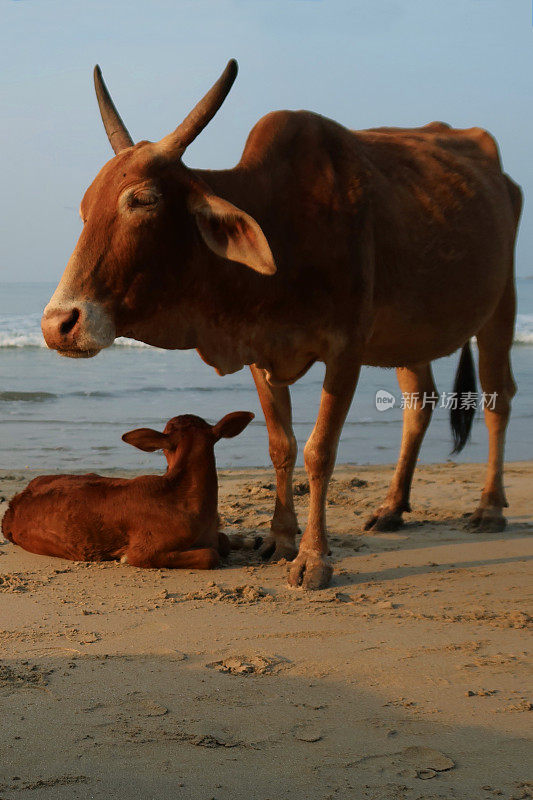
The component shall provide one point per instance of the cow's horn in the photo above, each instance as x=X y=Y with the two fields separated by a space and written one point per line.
x=117 y=133
x=202 y=113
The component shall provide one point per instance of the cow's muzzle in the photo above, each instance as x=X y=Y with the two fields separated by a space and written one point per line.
x=77 y=330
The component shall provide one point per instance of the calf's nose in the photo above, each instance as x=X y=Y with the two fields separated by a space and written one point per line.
x=58 y=327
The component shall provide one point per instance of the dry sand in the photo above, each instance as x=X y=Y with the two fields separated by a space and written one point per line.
x=407 y=679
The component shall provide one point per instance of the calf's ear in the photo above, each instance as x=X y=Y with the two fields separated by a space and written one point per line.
x=146 y=439
x=232 y=424
x=232 y=233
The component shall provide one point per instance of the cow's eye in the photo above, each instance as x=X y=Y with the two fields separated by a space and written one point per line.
x=144 y=197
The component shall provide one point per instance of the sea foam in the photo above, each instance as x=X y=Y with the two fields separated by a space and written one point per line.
x=25 y=331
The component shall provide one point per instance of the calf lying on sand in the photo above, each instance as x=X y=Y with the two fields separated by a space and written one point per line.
x=168 y=520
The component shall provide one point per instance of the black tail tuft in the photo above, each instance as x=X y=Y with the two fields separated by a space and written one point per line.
x=465 y=381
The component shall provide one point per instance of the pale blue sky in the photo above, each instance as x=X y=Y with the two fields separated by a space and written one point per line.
x=362 y=62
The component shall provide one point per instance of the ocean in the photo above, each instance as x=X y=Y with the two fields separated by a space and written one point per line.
x=59 y=414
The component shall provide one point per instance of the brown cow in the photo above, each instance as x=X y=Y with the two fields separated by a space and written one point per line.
x=168 y=520
x=389 y=247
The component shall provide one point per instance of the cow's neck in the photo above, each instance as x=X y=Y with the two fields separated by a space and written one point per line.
x=212 y=315
x=238 y=185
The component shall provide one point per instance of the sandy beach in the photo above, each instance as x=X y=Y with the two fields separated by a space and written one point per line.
x=408 y=678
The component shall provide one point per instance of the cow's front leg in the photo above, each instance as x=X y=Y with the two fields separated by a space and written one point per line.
x=276 y=404
x=312 y=568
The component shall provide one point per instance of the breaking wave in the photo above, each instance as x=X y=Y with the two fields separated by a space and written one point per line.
x=524 y=329
x=25 y=331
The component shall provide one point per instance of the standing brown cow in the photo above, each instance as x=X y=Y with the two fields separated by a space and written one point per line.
x=389 y=247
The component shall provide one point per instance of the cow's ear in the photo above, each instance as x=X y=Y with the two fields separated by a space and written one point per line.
x=146 y=439
x=232 y=424
x=232 y=233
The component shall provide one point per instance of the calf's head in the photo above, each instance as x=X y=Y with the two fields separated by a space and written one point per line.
x=186 y=433
x=148 y=221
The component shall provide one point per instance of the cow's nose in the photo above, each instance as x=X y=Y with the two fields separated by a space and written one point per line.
x=58 y=327
x=68 y=321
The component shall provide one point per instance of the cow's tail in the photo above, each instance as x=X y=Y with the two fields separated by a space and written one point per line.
x=462 y=415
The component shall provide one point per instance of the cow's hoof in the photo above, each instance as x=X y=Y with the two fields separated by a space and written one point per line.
x=310 y=570
x=384 y=522
x=274 y=548
x=487 y=520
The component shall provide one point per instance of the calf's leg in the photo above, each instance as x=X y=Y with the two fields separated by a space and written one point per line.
x=276 y=404
x=414 y=382
x=203 y=558
x=312 y=568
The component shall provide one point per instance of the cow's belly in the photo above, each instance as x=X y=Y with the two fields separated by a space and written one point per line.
x=397 y=348
x=403 y=336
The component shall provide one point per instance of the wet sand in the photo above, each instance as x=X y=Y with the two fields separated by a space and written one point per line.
x=408 y=678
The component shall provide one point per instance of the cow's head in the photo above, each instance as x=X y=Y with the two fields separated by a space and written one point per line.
x=144 y=217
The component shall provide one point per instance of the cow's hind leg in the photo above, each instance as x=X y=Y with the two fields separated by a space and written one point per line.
x=494 y=343
x=415 y=383
x=276 y=404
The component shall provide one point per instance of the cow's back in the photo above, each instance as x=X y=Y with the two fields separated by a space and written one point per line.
x=421 y=185
x=406 y=232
